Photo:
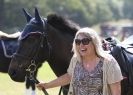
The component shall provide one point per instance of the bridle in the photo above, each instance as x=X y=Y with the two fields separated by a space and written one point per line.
x=30 y=70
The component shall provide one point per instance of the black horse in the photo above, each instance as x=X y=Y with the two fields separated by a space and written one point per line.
x=8 y=45
x=43 y=40
x=46 y=40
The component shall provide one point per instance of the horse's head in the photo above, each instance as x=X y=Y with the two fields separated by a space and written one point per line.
x=31 y=43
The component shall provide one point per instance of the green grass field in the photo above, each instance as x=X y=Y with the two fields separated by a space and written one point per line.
x=9 y=87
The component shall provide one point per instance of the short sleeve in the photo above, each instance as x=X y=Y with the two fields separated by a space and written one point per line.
x=72 y=65
x=114 y=72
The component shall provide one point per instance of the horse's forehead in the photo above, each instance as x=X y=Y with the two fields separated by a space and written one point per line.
x=25 y=35
x=29 y=30
x=42 y=22
x=32 y=27
x=33 y=20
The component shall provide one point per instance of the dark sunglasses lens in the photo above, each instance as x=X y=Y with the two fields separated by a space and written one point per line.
x=85 y=41
x=77 y=41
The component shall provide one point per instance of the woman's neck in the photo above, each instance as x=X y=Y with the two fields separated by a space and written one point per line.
x=88 y=59
x=90 y=62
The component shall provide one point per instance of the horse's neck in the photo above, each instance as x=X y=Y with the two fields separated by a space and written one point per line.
x=61 y=45
x=59 y=36
x=60 y=53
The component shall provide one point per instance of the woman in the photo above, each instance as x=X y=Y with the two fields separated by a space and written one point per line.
x=92 y=71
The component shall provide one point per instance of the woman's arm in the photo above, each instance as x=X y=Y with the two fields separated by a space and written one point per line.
x=115 y=88
x=60 y=81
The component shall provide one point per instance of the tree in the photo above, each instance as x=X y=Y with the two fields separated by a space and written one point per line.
x=2 y=10
x=116 y=8
x=128 y=9
x=83 y=12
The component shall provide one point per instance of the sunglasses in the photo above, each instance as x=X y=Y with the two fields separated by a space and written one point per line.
x=85 y=41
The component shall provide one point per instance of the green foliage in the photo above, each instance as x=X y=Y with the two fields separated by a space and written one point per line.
x=115 y=8
x=128 y=9
x=83 y=12
x=12 y=12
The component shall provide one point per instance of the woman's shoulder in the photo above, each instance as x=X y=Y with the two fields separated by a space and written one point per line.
x=110 y=62
x=74 y=58
x=108 y=58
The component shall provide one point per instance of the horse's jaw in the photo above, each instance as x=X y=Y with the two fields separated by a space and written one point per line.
x=17 y=79
x=16 y=75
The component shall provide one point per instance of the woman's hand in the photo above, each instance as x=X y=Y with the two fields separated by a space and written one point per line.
x=40 y=86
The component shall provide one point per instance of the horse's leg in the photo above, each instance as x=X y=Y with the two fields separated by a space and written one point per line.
x=33 y=88
x=30 y=83
x=65 y=89
x=33 y=84
x=130 y=89
x=124 y=87
x=27 y=84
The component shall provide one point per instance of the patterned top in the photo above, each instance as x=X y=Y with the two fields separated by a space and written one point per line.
x=111 y=73
x=88 y=83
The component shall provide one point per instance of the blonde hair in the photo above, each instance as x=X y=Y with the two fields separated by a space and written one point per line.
x=90 y=33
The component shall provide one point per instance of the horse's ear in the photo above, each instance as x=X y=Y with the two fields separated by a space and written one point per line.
x=27 y=15
x=37 y=16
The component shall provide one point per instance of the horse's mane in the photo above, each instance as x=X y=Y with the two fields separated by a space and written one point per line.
x=62 y=24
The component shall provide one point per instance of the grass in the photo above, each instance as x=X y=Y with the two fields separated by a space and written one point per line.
x=9 y=87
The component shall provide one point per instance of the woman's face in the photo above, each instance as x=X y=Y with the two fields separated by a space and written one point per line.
x=84 y=45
